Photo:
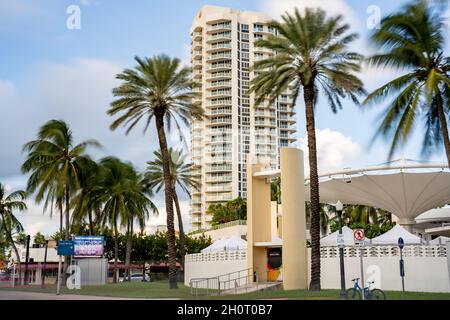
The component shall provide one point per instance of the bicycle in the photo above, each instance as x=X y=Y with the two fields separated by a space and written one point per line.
x=369 y=294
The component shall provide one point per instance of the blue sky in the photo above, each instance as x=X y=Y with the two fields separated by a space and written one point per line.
x=48 y=71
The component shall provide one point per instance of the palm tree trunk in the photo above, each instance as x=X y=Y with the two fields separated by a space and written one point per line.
x=131 y=248
x=309 y=98
x=128 y=253
x=180 y=228
x=91 y=226
x=11 y=240
x=66 y=258
x=444 y=128
x=97 y=217
x=16 y=252
x=116 y=256
x=61 y=217
x=169 y=201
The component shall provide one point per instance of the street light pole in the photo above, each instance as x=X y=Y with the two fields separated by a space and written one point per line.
x=339 y=208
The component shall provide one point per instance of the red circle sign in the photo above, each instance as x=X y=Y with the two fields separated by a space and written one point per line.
x=358 y=234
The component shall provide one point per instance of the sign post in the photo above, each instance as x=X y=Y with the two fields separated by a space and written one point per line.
x=58 y=286
x=14 y=275
x=401 y=244
x=65 y=248
x=359 y=237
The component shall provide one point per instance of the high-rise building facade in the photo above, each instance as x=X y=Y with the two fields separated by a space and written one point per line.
x=223 y=50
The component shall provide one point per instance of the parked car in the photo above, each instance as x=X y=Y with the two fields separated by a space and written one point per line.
x=137 y=277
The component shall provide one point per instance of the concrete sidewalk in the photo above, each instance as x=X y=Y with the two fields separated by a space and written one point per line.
x=24 y=295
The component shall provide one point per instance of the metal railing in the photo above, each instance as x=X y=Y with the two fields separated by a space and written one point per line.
x=229 y=282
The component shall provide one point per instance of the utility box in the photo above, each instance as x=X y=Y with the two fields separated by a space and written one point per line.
x=93 y=271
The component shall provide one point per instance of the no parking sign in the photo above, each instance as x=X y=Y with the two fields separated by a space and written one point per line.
x=358 y=235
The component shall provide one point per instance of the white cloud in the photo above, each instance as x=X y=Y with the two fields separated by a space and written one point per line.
x=161 y=219
x=334 y=150
x=34 y=220
x=80 y=93
x=373 y=77
x=447 y=18
x=333 y=7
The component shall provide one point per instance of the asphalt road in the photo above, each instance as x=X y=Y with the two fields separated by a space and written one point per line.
x=22 y=295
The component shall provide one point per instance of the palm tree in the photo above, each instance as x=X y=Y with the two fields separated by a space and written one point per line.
x=157 y=89
x=85 y=203
x=311 y=55
x=325 y=211
x=56 y=168
x=8 y=204
x=413 y=41
x=138 y=205
x=366 y=215
x=125 y=201
x=181 y=177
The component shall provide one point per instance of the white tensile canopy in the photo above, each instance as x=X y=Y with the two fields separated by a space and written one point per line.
x=215 y=246
x=391 y=237
x=439 y=240
x=434 y=215
x=226 y=244
x=406 y=190
x=331 y=239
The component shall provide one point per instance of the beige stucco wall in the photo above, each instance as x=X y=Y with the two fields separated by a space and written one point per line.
x=259 y=222
x=294 y=224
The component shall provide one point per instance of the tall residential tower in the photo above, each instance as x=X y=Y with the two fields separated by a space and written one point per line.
x=223 y=51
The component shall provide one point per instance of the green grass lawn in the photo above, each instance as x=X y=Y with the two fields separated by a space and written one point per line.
x=159 y=289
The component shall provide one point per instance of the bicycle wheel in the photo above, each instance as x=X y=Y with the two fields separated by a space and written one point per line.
x=377 y=294
x=353 y=294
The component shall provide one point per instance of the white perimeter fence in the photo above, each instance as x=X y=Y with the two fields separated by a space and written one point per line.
x=427 y=268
